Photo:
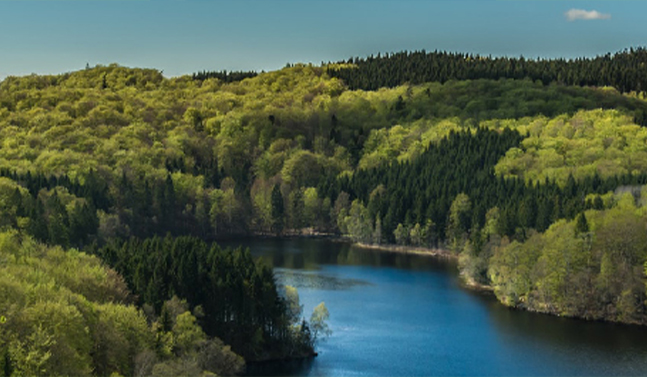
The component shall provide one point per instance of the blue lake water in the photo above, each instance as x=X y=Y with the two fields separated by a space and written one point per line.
x=407 y=315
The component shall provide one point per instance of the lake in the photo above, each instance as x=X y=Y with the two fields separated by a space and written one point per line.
x=407 y=315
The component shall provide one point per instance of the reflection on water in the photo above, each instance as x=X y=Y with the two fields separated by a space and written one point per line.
x=309 y=254
x=299 y=367
x=607 y=348
x=314 y=280
x=397 y=314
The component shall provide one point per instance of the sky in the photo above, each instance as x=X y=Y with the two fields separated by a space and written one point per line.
x=185 y=36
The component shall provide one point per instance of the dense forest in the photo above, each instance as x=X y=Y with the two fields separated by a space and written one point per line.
x=237 y=297
x=531 y=172
x=65 y=313
x=625 y=70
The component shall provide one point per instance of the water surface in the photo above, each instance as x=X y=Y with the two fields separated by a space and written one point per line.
x=407 y=315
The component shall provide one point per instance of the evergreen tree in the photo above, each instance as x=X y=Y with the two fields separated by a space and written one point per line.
x=277 y=209
x=581 y=224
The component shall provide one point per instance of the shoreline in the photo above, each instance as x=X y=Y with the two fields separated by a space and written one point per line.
x=439 y=253
x=445 y=254
x=477 y=287
x=302 y=233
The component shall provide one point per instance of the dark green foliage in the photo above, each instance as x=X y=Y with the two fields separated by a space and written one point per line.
x=94 y=188
x=460 y=163
x=581 y=225
x=625 y=70
x=58 y=222
x=224 y=76
x=238 y=295
x=463 y=163
x=7 y=365
x=277 y=209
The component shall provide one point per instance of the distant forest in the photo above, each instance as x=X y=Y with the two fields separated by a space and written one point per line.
x=625 y=70
x=224 y=76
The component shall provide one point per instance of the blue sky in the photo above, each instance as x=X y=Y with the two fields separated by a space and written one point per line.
x=184 y=36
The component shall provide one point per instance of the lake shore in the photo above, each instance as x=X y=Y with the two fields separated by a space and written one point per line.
x=440 y=253
x=441 y=298
x=436 y=253
x=389 y=248
x=475 y=286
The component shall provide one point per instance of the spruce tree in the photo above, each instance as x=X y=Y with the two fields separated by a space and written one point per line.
x=278 y=209
x=581 y=224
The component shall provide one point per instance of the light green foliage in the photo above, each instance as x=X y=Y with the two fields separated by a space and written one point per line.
x=318 y=325
x=602 y=141
x=295 y=127
x=405 y=142
x=511 y=268
x=31 y=357
x=474 y=258
x=359 y=223
x=303 y=333
x=401 y=234
x=459 y=218
x=597 y=273
x=261 y=194
x=295 y=309
x=417 y=235
x=8 y=206
x=123 y=333
x=117 y=120
x=63 y=312
x=271 y=162
x=184 y=348
x=177 y=367
x=225 y=210
x=315 y=211
x=305 y=168
x=563 y=258
x=340 y=211
x=187 y=333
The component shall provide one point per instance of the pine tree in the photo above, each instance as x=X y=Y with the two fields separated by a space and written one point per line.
x=278 y=209
x=581 y=224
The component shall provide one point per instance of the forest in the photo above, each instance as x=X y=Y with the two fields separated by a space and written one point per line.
x=624 y=70
x=116 y=183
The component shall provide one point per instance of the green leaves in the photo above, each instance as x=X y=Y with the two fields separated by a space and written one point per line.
x=318 y=325
x=60 y=314
x=606 y=142
x=589 y=267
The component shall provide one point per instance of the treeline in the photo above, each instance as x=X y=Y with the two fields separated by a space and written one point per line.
x=224 y=76
x=625 y=70
x=237 y=297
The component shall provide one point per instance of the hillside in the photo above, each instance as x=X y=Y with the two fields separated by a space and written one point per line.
x=536 y=184
x=142 y=149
